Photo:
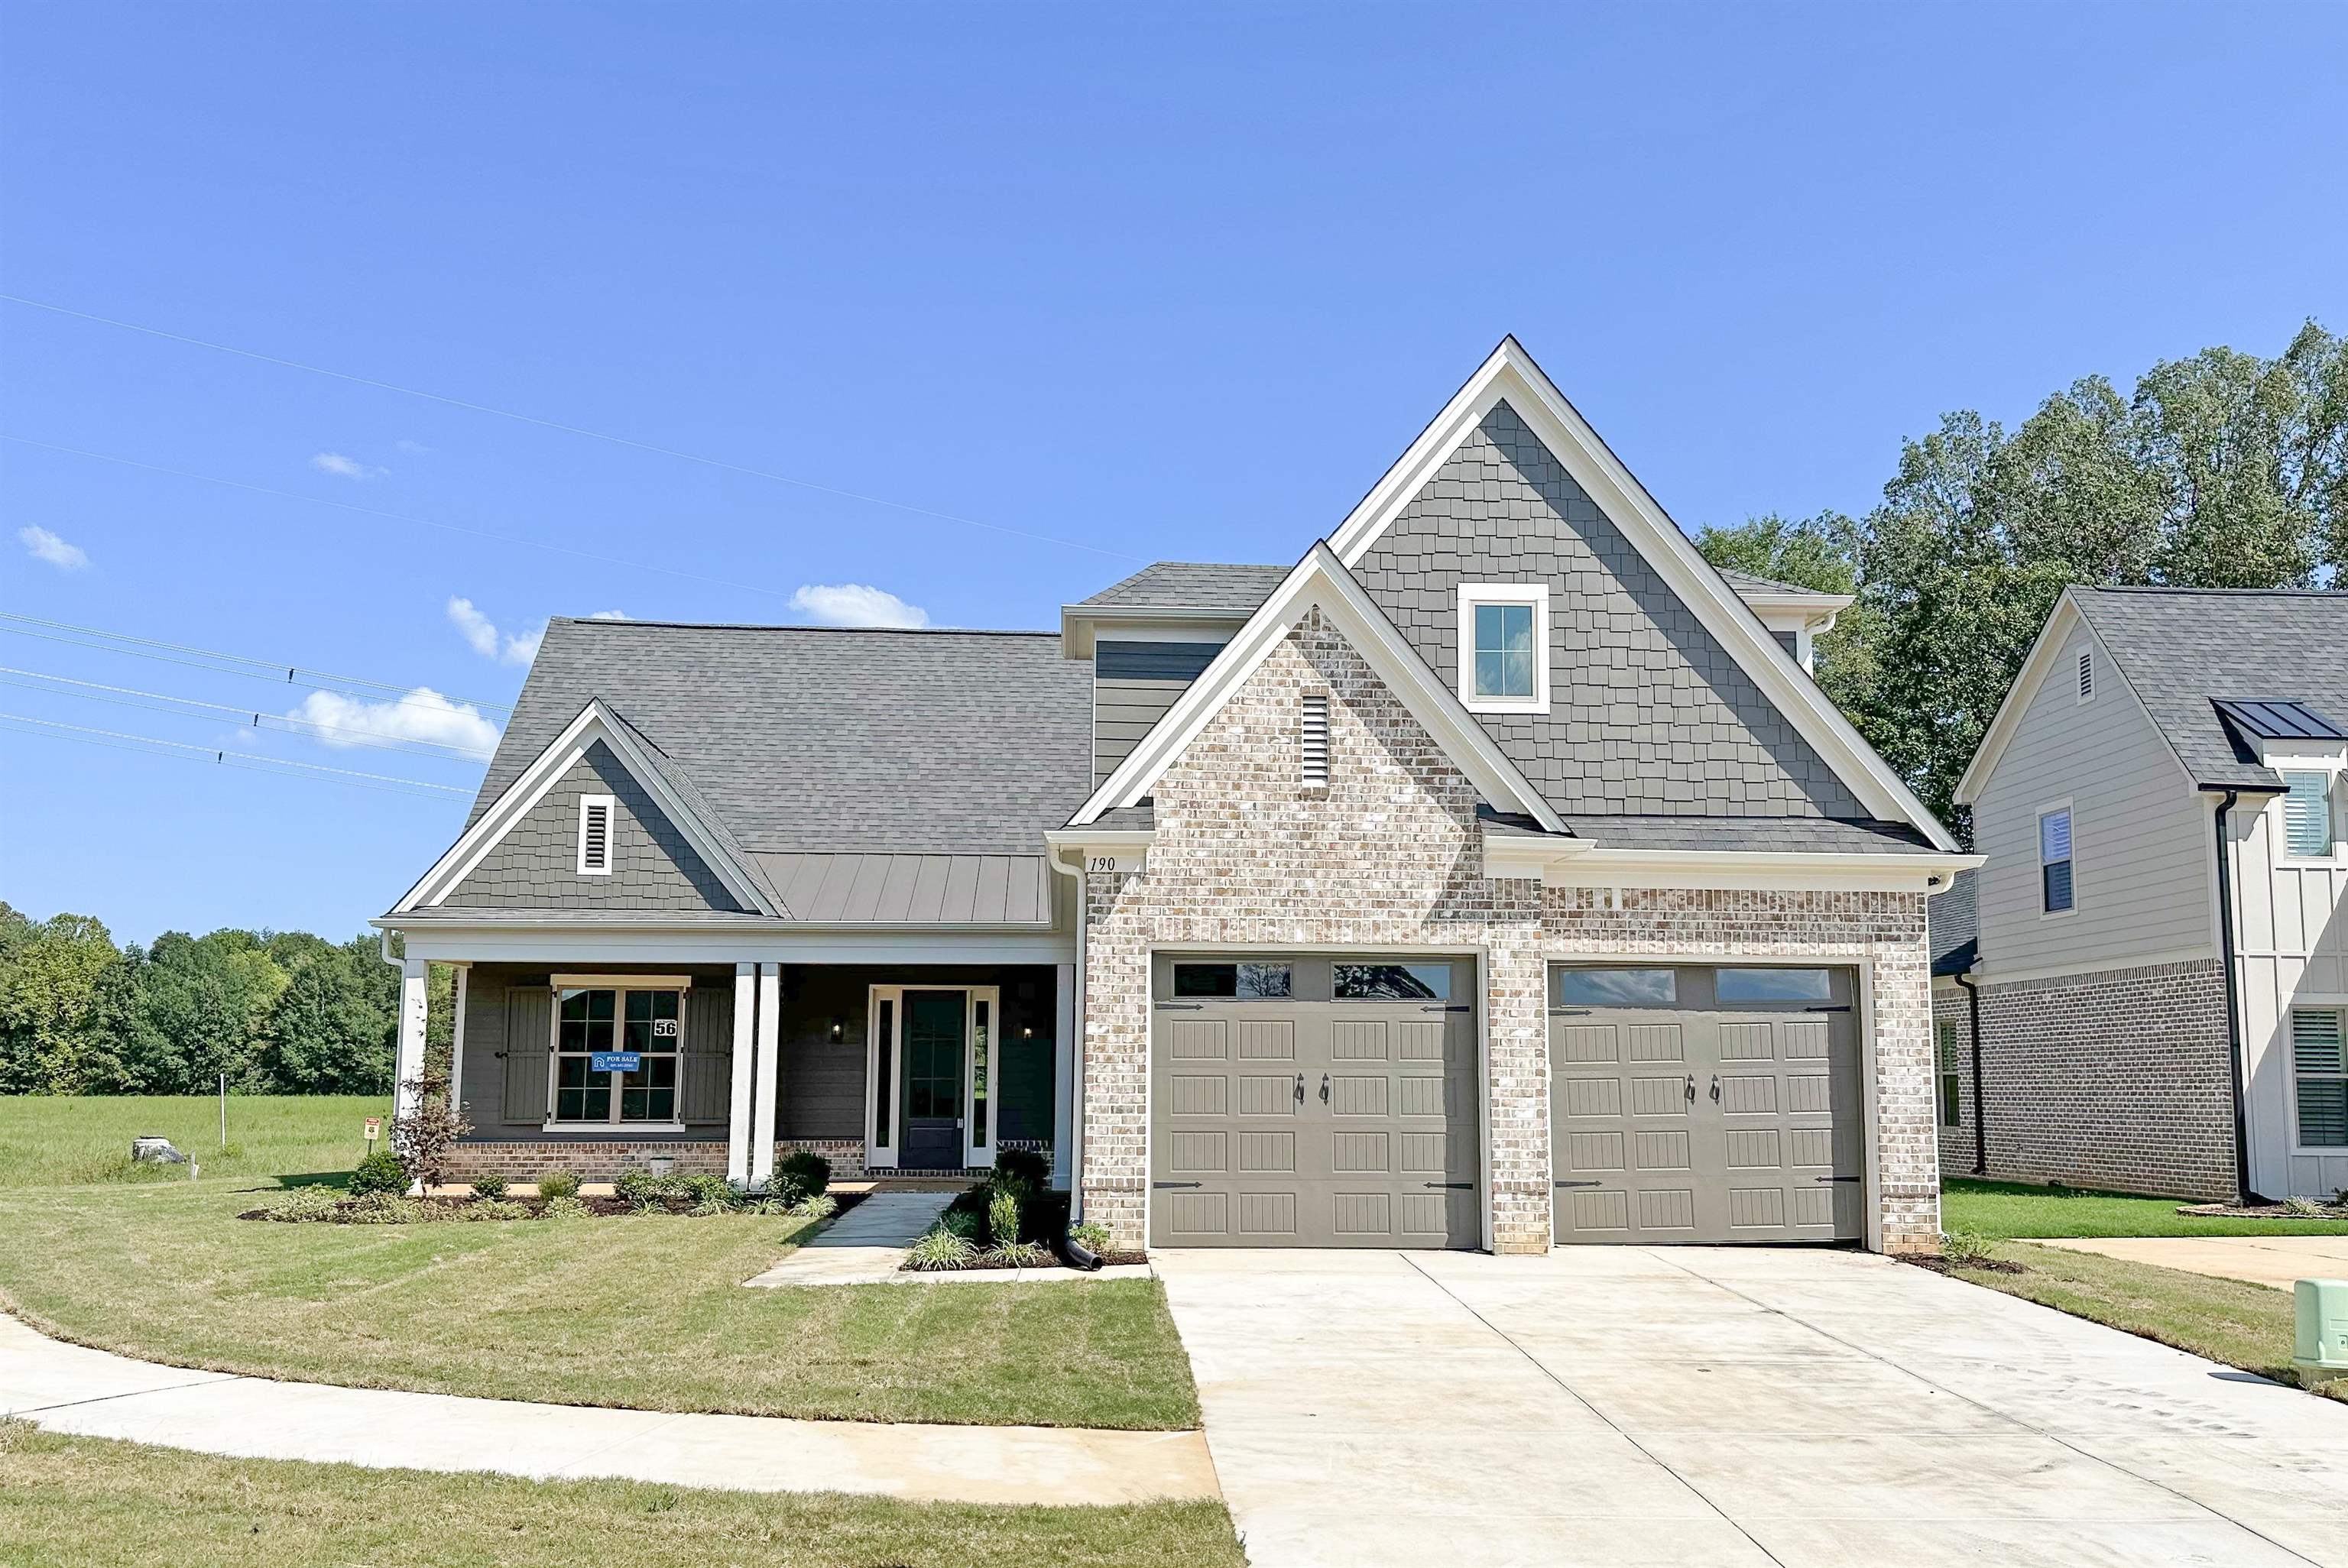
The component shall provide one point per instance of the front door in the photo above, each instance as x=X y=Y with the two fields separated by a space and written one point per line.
x=936 y=1059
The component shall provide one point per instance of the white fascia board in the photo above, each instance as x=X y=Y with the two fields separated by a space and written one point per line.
x=1078 y=622
x=594 y=723
x=2008 y=717
x=1511 y=373
x=1320 y=580
x=1917 y=873
x=553 y=946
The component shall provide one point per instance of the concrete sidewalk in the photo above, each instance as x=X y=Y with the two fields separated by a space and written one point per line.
x=68 y=1389
x=2271 y=1260
x=865 y=1245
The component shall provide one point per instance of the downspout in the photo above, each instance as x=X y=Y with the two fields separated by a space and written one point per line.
x=1981 y=1133
x=2233 y=1005
x=1075 y=875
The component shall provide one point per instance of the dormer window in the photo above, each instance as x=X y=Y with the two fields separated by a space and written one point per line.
x=1504 y=647
x=595 y=835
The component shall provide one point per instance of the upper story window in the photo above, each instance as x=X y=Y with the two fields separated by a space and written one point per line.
x=2055 y=894
x=595 y=813
x=2307 y=830
x=1504 y=647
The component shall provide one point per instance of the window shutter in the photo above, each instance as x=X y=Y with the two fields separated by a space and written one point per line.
x=529 y=1037
x=2307 y=814
x=1315 y=741
x=708 y=1057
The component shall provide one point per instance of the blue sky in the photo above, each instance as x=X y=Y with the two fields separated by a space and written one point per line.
x=1170 y=283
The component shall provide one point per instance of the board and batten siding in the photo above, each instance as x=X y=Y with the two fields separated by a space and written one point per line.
x=2291 y=950
x=1134 y=682
x=2140 y=837
x=509 y=1028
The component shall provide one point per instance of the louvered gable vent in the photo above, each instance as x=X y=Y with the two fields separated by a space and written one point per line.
x=595 y=835
x=1315 y=741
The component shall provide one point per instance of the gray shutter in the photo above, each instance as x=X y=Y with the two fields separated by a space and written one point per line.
x=529 y=1039
x=708 y=1063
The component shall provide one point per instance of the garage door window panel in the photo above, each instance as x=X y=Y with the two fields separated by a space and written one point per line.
x=1616 y=988
x=1393 y=982
x=1744 y=985
x=1234 y=981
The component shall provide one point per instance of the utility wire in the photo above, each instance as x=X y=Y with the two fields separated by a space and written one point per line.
x=119 y=740
x=306 y=676
x=440 y=750
x=566 y=429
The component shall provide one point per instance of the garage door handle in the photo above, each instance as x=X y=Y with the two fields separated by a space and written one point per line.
x=1299 y=1089
x=1837 y=1178
x=1182 y=1006
x=1577 y=1184
x=1161 y=1187
x=1834 y=1007
x=1691 y=1088
x=1453 y=1007
x=1454 y=1187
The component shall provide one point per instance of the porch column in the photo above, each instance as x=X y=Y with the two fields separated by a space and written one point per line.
x=769 y=1070
x=408 y=1063
x=457 y=1043
x=745 y=1087
x=1064 y=1045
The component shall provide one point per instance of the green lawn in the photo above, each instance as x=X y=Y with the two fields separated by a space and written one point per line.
x=2245 y=1326
x=48 y=1141
x=1998 y=1209
x=99 y=1504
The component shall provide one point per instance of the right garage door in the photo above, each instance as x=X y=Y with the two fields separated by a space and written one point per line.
x=1700 y=1104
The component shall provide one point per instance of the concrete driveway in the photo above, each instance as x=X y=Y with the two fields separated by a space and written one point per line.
x=1724 y=1407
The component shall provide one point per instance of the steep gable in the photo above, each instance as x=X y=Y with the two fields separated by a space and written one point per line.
x=1649 y=713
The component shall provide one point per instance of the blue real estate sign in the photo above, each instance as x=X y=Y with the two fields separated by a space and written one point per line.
x=614 y=1062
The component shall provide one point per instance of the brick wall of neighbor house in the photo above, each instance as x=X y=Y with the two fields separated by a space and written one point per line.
x=2116 y=1078
x=1950 y=1007
x=1391 y=853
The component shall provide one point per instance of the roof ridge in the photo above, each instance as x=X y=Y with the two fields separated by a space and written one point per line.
x=791 y=626
x=2166 y=591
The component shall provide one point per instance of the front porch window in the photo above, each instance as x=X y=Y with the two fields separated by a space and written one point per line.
x=615 y=1054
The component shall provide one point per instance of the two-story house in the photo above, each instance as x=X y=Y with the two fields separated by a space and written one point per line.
x=2158 y=963
x=1493 y=874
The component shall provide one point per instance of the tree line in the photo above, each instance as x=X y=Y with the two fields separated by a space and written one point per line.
x=280 y=1012
x=2224 y=470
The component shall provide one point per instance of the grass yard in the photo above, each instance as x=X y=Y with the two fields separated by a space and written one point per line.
x=93 y=1503
x=2244 y=1325
x=46 y=1142
x=2010 y=1209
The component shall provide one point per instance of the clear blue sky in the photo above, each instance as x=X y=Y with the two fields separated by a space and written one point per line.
x=1169 y=284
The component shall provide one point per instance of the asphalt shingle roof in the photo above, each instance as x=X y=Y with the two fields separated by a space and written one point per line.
x=2181 y=650
x=1219 y=586
x=1955 y=920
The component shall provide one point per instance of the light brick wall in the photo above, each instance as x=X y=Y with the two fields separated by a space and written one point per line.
x=1390 y=853
x=1951 y=1007
x=2116 y=1078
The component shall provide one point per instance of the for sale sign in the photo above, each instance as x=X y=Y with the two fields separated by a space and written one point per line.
x=614 y=1061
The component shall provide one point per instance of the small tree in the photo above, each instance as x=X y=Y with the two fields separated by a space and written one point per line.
x=424 y=1138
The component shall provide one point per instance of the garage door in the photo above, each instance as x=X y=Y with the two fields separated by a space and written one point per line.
x=1705 y=1104
x=1313 y=1102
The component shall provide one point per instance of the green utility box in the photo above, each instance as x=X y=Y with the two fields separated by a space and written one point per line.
x=2320 y=1348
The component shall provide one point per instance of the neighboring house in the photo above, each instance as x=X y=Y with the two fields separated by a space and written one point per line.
x=1494 y=873
x=2159 y=1013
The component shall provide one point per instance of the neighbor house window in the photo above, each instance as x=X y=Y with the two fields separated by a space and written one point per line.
x=1392 y=982
x=1952 y=1105
x=2319 y=1060
x=615 y=1054
x=2055 y=894
x=1504 y=647
x=2307 y=816
x=595 y=834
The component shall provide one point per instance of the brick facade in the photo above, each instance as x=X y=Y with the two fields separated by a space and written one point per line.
x=524 y=1160
x=1390 y=853
x=2115 y=1079
x=1951 y=1011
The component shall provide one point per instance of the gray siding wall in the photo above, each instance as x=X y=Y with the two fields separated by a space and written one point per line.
x=490 y=1007
x=823 y=1078
x=1648 y=713
x=536 y=865
x=1134 y=682
x=2141 y=839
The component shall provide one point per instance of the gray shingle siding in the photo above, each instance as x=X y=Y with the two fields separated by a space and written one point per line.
x=536 y=865
x=1649 y=715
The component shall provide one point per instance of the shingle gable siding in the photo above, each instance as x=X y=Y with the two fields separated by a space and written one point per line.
x=1649 y=714
x=536 y=865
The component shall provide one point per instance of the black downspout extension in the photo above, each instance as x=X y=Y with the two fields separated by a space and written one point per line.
x=1980 y=1129
x=2233 y=1007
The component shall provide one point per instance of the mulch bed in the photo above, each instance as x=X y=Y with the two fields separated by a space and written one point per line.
x=2256 y=1211
x=1977 y=1266
x=451 y=1209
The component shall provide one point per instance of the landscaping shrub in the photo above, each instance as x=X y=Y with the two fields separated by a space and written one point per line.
x=380 y=1172
x=801 y=1173
x=1002 y=1217
x=820 y=1206
x=2305 y=1209
x=1092 y=1236
x=1018 y=1254
x=565 y=1206
x=558 y=1185
x=491 y=1187
x=424 y=1139
x=939 y=1248
x=494 y=1209
x=1964 y=1249
x=388 y=1209
x=968 y=1227
x=1022 y=1168
x=639 y=1188
x=708 y=1191
x=306 y=1204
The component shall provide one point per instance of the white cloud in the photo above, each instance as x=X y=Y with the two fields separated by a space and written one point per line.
x=423 y=714
x=407 y=445
x=483 y=634
x=610 y=615
x=856 y=604
x=343 y=467
x=45 y=546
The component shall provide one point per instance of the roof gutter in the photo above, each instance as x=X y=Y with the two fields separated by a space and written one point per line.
x=2233 y=1004
x=1076 y=873
x=1580 y=862
x=1980 y=1129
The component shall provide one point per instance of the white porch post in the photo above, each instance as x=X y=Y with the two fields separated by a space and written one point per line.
x=745 y=1087
x=1064 y=1046
x=770 y=1069
x=407 y=1063
x=457 y=1043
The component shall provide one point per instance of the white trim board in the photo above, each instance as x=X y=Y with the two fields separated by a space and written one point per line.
x=1512 y=374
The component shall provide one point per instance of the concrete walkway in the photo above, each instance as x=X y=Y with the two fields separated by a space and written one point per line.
x=2274 y=1260
x=865 y=1245
x=68 y=1389
x=1735 y=1409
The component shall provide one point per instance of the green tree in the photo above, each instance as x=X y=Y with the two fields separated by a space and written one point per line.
x=200 y=1007
x=51 y=976
x=331 y=1030
x=1816 y=552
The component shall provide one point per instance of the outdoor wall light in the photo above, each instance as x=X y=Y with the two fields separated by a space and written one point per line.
x=839 y=1027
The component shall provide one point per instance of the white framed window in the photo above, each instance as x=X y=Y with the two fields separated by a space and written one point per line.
x=595 y=821
x=2056 y=894
x=2087 y=675
x=1952 y=1100
x=2307 y=817
x=1504 y=647
x=2319 y=1063
x=617 y=1050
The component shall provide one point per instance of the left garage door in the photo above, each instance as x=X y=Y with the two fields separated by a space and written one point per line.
x=1313 y=1101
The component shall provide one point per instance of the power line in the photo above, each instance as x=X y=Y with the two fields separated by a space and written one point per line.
x=119 y=740
x=442 y=750
x=308 y=676
x=567 y=429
